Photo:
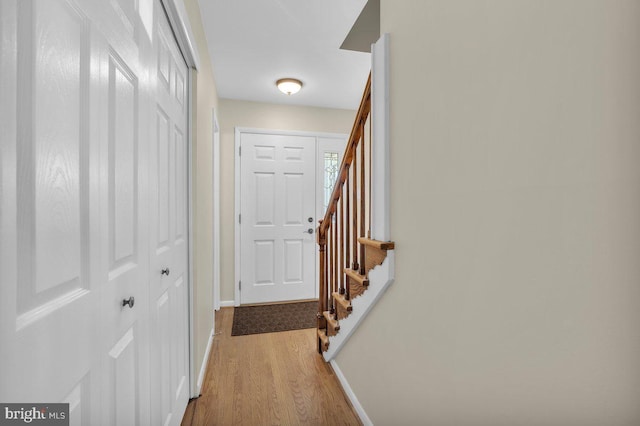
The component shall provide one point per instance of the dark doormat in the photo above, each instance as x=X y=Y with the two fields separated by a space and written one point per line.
x=272 y=318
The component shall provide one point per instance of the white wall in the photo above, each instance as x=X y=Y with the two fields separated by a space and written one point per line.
x=204 y=98
x=515 y=140
x=234 y=114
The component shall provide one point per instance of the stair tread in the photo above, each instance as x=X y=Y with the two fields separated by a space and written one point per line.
x=331 y=320
x=382 y=245
x=346 y=304
x=355 y=275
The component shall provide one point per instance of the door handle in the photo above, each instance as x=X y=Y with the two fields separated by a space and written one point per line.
x=308 y=231
x=165 y=271
x=131 y=301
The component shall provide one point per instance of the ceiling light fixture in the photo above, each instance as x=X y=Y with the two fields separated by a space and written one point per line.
x=289 y=86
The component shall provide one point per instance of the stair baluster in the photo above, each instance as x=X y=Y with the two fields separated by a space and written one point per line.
x=370 y=174
x=342 y=240
x=362 y=196
x=330 y=255
x=354 y=187
x=348 y=228
x=336 y=256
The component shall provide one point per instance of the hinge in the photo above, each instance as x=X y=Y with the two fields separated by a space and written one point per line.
x=239 y=151
x=240 y=285
x=240 y=218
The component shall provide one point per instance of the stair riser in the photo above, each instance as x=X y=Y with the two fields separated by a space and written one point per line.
x=322 y=323
x=355 y=288
x=323 y=341
x=373 y=257
x=332 y=325
x=332 y=331
x=342 y=312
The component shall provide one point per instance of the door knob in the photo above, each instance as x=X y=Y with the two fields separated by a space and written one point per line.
x=165 y=271
x=308 y=231
x=129 y=302
x=310 y=219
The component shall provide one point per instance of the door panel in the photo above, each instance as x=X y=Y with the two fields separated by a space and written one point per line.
x=78 y=404
x=123 y=167
x=162 y=356
x=162 y=179
x=123 y=368
x=293 y=261
x=293 y=198
x=180 y=343
x=57 y=116
x=277 y=198
x=180 y=187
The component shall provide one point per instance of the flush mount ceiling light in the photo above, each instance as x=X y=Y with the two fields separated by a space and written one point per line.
x=289 y=86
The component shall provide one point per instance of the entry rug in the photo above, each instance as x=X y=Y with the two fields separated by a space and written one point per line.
x=272 y=318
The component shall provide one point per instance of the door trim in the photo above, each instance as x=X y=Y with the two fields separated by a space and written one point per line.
x=216 y=208
x=181 y=26
x=193 y=385
x=238 y=132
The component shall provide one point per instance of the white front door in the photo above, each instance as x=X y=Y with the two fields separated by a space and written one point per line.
x=277 y=217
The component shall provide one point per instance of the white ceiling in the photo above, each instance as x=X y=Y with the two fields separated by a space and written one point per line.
x=253 y=43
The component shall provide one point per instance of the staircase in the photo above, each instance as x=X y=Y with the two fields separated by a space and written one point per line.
x=347 y=252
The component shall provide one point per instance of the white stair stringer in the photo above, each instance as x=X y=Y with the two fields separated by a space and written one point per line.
x=380 y=278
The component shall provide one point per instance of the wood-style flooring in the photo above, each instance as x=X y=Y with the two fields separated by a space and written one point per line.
x=268 y=379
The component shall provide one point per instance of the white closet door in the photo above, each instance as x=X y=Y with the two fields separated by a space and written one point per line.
x=93 y=202
x=168 y=292
x=124 y=306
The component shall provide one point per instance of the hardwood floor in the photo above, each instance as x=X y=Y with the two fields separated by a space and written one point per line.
x=268 y=379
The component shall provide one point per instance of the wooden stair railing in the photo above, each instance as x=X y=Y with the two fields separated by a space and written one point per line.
x=347 y=253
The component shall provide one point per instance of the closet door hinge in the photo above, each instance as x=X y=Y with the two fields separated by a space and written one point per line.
x=240 y=285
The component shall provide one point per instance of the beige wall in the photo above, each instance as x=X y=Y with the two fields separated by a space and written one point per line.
x=234 y=114
x=204 y=99
x=515 y=140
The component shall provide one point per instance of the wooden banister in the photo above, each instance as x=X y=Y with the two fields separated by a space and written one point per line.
x=349 y=155
x=346 y=220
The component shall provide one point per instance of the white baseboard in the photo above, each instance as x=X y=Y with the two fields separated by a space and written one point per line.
x=351 y=395
x=205 y=361
x=227 y=303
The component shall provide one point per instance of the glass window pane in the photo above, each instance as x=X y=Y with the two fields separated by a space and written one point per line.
x=330 y=175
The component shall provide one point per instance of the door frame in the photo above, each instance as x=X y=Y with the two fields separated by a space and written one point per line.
x=238 y=173
x=215 y=152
